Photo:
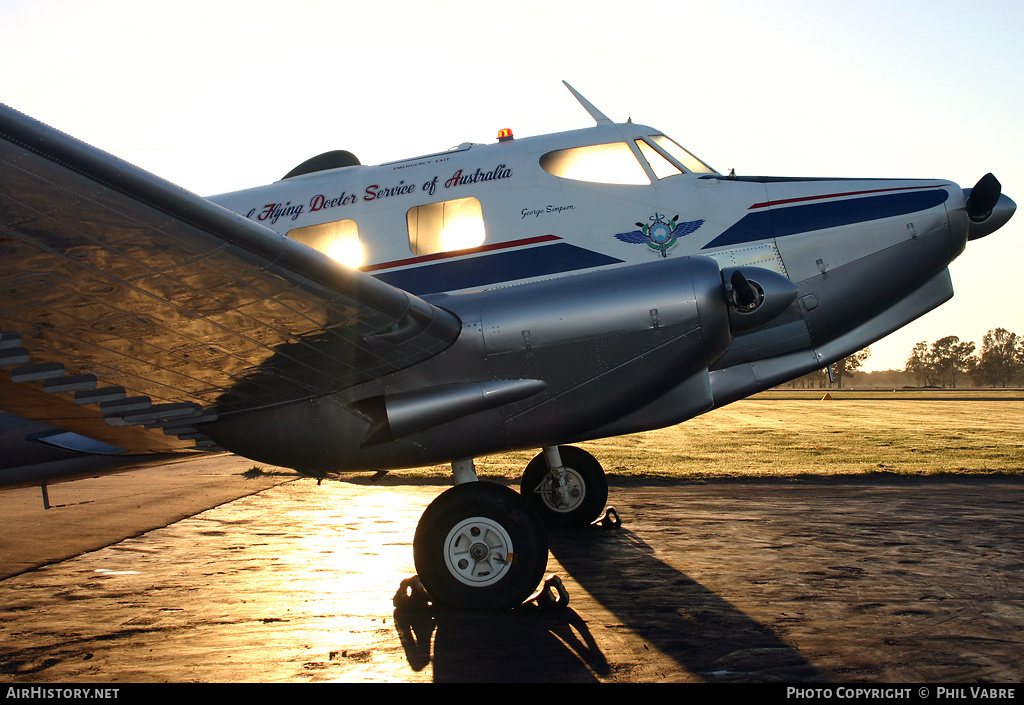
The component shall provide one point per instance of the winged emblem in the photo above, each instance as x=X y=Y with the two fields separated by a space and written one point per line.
x=660 y=234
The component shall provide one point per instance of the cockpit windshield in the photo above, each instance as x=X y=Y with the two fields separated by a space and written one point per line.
x=689 y=162
x=660 y=164
x=617 y=163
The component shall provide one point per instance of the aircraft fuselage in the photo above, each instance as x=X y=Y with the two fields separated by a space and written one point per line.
x=591 y=308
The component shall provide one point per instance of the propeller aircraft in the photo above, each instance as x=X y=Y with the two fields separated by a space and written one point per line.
x=530 y=293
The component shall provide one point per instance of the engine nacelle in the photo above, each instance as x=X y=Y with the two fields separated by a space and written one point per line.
x=532 y=366
x=601 y=344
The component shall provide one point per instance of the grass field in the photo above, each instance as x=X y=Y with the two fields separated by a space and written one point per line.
x=792 y=433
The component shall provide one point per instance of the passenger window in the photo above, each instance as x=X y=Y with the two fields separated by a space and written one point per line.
x=612 y=163
x=662 y=167
x=339 y=240
x=446 y=226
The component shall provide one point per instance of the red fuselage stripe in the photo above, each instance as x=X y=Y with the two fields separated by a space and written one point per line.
x=459 y=253
x=767 y=204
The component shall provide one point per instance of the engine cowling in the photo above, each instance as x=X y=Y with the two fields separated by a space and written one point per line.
x=581 y=351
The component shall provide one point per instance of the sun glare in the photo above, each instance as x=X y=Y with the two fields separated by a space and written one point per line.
x=348 y=251
x=462 y=234
x=338 y=240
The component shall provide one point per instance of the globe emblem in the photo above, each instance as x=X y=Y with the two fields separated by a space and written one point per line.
x=660 y=233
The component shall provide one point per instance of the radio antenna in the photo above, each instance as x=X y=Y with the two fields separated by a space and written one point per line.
x=600 y=117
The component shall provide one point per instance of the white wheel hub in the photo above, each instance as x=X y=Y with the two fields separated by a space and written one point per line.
x=575 y=492
x=478 y=551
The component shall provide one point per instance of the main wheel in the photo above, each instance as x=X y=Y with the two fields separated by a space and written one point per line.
x=480 y=545
x=587 y=488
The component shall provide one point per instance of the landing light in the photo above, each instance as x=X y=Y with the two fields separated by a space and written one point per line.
x=505 y=135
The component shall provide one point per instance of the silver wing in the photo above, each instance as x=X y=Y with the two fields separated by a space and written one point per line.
x=132 y=311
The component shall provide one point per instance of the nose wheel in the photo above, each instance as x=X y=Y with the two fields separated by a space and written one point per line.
x=480 y=545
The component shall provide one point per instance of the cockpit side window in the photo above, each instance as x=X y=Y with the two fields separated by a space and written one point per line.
x=661 y=166
x=689 y=162
x=612 y=163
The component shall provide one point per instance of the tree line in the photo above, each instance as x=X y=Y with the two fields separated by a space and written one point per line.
x=947 y=362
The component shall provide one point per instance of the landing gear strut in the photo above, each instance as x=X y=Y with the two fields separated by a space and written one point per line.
x=567 y=485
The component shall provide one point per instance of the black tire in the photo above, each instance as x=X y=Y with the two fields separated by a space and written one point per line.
x=587 y=484
x=463 y=543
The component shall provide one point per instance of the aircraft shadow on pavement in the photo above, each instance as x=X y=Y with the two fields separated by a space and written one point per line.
x=706 y=635
x=527 y=645
x=702 y=632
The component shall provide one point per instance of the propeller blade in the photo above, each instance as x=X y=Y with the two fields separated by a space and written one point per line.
x=983 y=198
x=744 y=295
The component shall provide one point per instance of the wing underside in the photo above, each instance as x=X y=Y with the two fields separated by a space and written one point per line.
x=132 y=311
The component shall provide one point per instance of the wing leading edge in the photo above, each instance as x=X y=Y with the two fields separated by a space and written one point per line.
x=131 y=308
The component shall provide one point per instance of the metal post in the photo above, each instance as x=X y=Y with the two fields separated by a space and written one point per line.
x=464 y=471
x=559 y=483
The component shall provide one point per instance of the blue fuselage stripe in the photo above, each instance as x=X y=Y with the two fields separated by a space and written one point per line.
x=779 y=222
x=495 y=269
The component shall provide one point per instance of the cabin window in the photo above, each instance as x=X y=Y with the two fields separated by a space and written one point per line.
x=612 y=163
x=689 y=162
x=661 y=166
x=445 y=226
x=339 y=240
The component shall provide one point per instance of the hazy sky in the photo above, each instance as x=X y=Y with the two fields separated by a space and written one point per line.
x=219 y=96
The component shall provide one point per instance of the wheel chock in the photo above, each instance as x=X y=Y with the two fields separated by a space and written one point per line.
x=610 y=520
x=551 y=596
x=411 y=595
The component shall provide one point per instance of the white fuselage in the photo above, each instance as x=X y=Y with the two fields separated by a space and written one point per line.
x=597 y=209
